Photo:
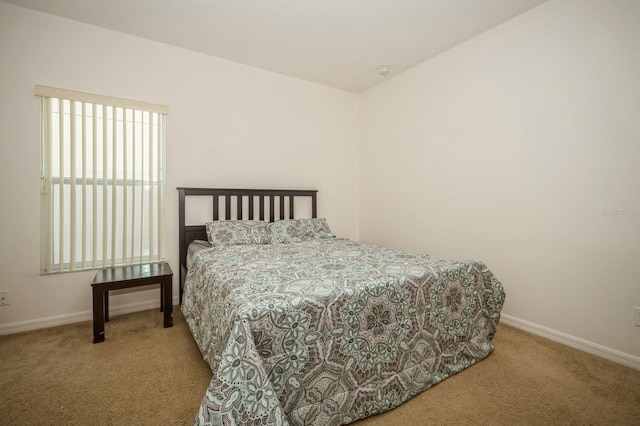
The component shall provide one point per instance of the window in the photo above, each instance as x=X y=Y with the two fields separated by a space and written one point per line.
x=102 y=181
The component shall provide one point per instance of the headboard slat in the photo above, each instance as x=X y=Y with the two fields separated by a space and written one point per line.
x=291 y=215
x=251 y=207
x=272 y=208
x=281 y=207
x=239 y=206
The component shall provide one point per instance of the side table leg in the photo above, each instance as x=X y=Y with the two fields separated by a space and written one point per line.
x=98 y=314
x=167 y=293
x=106 y=306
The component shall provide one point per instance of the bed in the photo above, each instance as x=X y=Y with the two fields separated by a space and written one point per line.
x=302 y=327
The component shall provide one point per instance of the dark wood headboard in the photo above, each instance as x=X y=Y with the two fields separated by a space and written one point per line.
x=245 y=201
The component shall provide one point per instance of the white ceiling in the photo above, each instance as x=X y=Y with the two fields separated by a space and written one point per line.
x=338 y=43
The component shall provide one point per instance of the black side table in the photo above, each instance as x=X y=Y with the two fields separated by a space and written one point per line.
x=126 y=277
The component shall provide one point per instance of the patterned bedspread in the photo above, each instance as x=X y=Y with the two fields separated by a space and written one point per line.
x=327 y=332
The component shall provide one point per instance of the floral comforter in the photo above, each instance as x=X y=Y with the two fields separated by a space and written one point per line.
x=327 y=332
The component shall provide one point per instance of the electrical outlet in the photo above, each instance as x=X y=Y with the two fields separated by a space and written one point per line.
x=637 y=316
x=4 y=298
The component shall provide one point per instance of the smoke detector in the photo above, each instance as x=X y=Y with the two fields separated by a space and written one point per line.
x=384 y=70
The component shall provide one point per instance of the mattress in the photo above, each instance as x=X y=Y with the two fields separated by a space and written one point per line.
x=327 y=332
x=194 y=247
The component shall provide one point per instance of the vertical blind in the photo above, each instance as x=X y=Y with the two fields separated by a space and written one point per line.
x=102 y=181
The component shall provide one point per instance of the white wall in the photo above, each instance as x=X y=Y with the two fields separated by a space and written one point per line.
x=229 y=125
x=508 y=148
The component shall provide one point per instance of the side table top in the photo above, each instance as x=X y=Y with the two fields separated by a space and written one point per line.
x=132 y=272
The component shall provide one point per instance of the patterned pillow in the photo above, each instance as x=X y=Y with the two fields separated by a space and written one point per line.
x=232 y=232
x=316 y=228
x=297 y=230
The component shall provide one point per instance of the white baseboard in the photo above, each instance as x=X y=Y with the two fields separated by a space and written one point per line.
x=574 y=342
x=19 y=327
x=556 y=336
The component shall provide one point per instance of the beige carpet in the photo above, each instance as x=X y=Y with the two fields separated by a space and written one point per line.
x=144 y=374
